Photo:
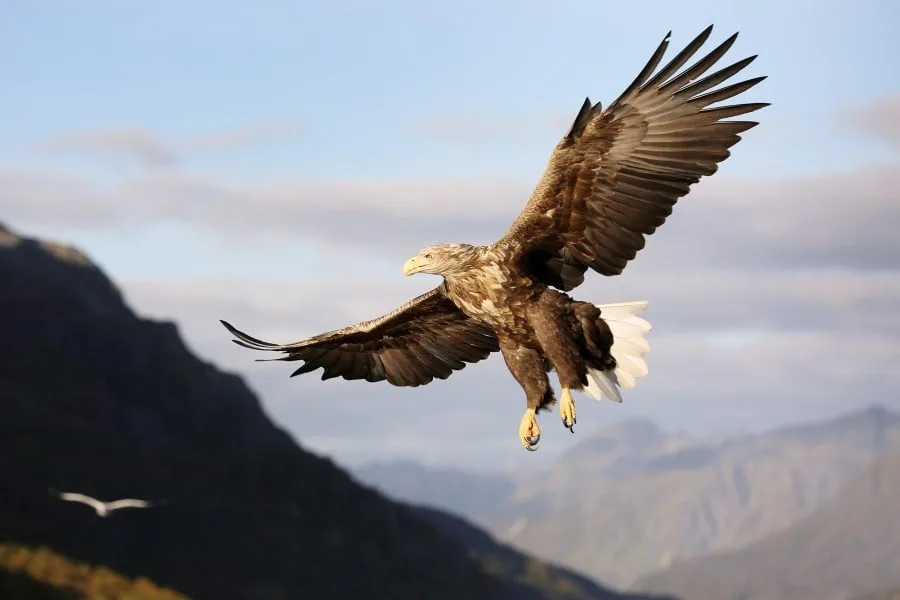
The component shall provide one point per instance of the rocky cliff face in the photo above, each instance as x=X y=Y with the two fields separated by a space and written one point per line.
x=99 y=401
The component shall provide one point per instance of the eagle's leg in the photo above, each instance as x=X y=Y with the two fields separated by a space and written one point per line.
x=567 y=409
x=549 y=318
x=527 y=366
x=529 y=432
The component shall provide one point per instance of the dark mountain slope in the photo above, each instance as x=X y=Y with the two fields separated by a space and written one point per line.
x=99 y=401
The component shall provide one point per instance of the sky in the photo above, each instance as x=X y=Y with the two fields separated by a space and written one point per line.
x=274 y=163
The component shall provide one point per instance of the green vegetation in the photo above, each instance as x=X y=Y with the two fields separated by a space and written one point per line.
x=42 y=574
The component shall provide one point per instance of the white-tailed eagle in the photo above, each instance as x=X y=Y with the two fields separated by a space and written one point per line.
x=610 y=182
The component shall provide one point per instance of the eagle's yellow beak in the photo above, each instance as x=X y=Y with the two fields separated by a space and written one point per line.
x=411 y=266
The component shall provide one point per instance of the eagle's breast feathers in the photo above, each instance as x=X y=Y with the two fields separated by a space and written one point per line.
x=494 y=292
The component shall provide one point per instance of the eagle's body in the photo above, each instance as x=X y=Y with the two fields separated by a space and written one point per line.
x=610 y=182
x=487 y=290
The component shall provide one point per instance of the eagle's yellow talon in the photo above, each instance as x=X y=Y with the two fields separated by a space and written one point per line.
x=529 y=432
x=567 y=409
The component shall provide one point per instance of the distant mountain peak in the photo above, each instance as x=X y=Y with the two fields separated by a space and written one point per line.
x=878 y=412
x=875 y=412
x=8 y=239
x=62 y=252
x=67 y=254
x=848 y=544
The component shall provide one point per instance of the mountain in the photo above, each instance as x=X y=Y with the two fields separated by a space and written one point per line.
x=523 y=570
x=844 y=550
x=682 y=498
x=468 y=494
x=632 y=497
x=607 y=456
x=502 y=499
x=891 y=595
x=99 y=401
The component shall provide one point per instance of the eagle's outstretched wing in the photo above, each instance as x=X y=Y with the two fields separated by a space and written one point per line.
x=425 y=338
x=615 y=176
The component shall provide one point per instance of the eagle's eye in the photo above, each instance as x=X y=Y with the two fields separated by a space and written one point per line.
x=428 y=256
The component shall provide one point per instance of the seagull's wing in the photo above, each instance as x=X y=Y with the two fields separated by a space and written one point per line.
x=76 y=497
x=128 y=503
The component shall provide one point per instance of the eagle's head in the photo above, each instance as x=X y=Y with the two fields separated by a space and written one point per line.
x=441 y=259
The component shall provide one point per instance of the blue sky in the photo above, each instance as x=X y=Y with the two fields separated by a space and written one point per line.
x=254 y=156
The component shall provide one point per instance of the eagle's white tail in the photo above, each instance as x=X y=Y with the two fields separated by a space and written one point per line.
x=629 y=347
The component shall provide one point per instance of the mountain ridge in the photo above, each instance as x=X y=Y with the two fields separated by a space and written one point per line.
x=845 y=549
x=652 y=496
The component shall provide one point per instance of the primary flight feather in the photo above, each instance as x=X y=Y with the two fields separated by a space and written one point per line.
x=610 y=182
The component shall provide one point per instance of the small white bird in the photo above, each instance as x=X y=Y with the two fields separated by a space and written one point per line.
x=103 y=508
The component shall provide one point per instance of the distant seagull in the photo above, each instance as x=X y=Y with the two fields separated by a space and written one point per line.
x=103 y=508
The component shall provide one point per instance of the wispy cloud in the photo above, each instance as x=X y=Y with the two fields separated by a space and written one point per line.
x=879 y=118
x=474 y=128
x=838 y=219
x=113 y=145
x=383 y=214
x=242 y=135
x=138 y=146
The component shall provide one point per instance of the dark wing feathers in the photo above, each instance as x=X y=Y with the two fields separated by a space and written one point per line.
x=425 y=338
x=617 y=174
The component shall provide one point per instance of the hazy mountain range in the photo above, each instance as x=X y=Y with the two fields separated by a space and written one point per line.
x=847 y=548
x=100 y=401
x=633 y=497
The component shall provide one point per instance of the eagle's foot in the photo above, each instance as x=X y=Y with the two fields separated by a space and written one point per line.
x=529 y=432
x=567 y=409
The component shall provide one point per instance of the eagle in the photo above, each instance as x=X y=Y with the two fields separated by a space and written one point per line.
x=612 y=180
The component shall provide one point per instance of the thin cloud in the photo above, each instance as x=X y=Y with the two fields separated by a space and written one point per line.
x=138 y=146
x=839 y=219
x=387 y=214
x=474 y=128
x=251 y=133
x=691 y=302
x=113 y=145
x=879 y=118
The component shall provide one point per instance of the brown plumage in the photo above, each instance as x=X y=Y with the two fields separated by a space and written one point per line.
x=610 y=182
x=400 y=347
